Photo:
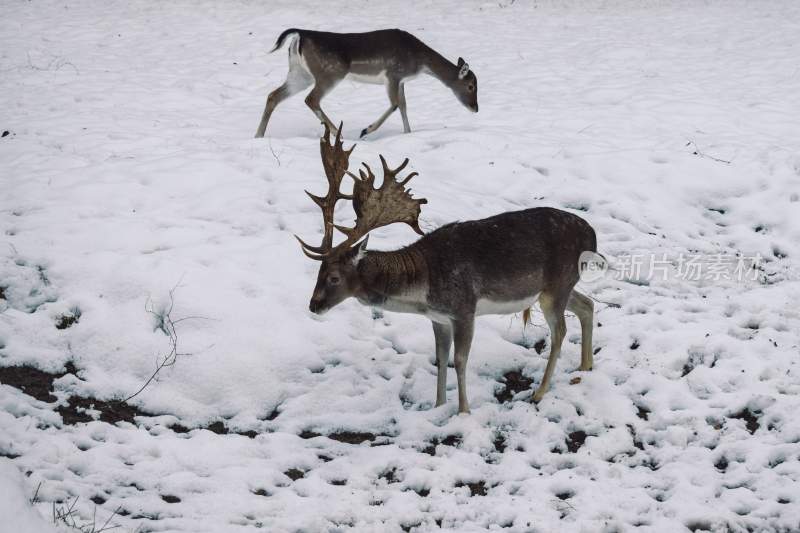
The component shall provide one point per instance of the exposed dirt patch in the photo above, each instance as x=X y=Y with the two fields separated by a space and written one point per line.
x=76 y=410
x=347 y=437
x=352 y=437
x=169 y=498
x=750 y=418
x=575 y=440
x=390 y=475
x=450 y=440
x=477 y=488
x=68 y=320
x=2 y=293
x=32 y=381
x=500 y=443
x=642 y=412
x=294 y=474
x=539 y=346
x=513 y=383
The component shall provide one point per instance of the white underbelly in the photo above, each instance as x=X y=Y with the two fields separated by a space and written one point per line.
x=491 y=307
x=378 y=79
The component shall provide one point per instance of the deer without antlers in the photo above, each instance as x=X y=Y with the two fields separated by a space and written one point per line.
x=498 y=265
x=387 y=57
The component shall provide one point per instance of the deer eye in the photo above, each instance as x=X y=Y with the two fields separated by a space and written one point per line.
x=471 y=88
x=334 y=280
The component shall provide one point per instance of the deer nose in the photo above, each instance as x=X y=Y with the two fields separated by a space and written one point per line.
x=315 y=305
x=475 y=108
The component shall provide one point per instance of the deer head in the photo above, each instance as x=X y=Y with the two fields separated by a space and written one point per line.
x=338 y=277
x=466 y=86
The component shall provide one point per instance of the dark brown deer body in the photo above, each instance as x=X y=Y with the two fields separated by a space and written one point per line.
x=498 y=265
x=386 y=57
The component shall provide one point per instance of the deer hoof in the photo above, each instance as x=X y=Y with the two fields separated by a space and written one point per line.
x=363 y=133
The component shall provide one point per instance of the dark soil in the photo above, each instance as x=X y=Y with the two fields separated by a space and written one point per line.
x=450 y=440
x=750 y=418
x=67 y=321
x=170 y=498
x=389 y=475
x=32 y=381
x=39 y=384
x=74 y=412
x=347 y=437
x=500 y=443
x=513 y=382
x=575 y=440
x=477 y=488
x=294 y=474
x=539 y=346
x=351 y=437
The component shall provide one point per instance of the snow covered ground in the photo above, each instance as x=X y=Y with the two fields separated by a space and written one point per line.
x=130 y=169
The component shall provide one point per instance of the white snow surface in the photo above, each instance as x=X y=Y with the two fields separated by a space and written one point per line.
x=130 y=169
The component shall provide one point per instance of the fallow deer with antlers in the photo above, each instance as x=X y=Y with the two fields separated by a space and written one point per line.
x=498 y=265
x=386 y=57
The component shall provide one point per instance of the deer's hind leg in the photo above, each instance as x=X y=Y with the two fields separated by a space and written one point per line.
x=583 y=307
x=553 y=306
x=297 y=80
x=443 y=335
x=314 y=99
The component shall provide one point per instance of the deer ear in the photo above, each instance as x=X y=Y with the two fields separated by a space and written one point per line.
x=360 y=250
x=463 y=68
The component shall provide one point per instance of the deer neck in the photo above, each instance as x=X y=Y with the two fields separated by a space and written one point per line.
x=397 y=281
x=440 y=68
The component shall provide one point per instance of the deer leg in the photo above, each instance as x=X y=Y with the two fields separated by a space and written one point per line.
x=401 y=101
x=313 y=101
x=276 y=97
x=553 y=309
x=443 y=336
x=392 y=87
x=462 y=335
x=296 y=80
x=583 y=307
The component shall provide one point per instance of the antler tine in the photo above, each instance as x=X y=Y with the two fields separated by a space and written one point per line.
x=335 y=160
x=308 y=249
x=389 y=172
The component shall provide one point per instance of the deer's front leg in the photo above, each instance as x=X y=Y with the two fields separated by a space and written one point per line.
x=443 y=336
x=462 y=336
x=392 y=88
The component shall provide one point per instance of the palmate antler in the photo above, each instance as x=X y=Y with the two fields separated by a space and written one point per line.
x=335 y=160
x=374 y=207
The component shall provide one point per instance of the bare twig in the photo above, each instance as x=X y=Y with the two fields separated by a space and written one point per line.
x=35 y=498
x=697 y=152
x=269 y=143
x=66 y=516
x=166 y=324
